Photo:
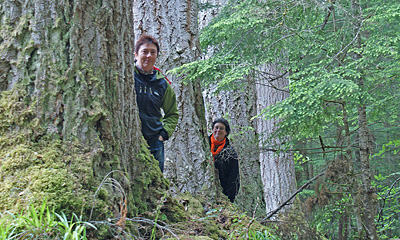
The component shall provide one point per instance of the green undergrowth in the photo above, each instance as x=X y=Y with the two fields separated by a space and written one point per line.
x=224 y=221
x=42 y=223
x=221 y=221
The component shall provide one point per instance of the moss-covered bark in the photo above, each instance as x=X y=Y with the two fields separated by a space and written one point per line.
x=69 y=128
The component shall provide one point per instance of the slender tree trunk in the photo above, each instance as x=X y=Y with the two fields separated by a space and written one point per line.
x=366 y=199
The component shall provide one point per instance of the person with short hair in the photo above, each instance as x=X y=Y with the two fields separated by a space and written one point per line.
x=153 y=93
x=225 y=158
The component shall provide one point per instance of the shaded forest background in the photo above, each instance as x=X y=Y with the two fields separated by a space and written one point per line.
x=311 y=89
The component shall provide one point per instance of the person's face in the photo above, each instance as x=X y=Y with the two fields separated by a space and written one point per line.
x=146 y=57
x=219 y=131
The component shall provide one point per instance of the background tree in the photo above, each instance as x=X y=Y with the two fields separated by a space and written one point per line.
x=237 y=107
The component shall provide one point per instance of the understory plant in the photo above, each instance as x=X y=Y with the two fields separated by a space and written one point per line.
x=42 y=224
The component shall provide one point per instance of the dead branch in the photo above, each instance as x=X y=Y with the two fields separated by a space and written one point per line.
x=291 y=197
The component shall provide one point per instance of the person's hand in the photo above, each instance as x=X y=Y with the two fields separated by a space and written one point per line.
x=161 y=138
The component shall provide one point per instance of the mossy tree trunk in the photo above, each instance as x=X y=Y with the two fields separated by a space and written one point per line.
x=68 y=109
x=175 y=24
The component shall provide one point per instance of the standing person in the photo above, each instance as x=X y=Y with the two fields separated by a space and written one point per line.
x=225 y=158
x=153 y=93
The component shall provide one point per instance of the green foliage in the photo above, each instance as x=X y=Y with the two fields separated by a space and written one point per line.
x=392 y=146
x=388 y=197
x=42 y=224
x=257 y=235
x=325 y=59
x=388 y=189
x=72 y=229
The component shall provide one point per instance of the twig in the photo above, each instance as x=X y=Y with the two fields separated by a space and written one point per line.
x=138 y=220
x=384 y=199
x=104 y=182
x=252 y=220
x=291 y=197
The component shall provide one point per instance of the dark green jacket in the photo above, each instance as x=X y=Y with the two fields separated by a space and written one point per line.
x=153 y=93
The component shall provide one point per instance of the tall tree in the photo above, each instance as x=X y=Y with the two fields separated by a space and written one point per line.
x=277 y=167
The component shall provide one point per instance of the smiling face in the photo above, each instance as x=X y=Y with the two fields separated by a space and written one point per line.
x=146 y=56
x=219 y=131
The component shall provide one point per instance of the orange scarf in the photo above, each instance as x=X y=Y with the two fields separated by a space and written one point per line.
x=216 y=147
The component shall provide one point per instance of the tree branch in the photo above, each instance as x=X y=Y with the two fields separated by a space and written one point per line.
x=291 y=197
x=384 y=199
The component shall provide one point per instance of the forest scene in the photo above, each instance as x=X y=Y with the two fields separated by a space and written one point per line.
x=304 y=95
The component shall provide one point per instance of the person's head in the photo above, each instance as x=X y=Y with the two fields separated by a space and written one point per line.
x=220 y=129
x=146 y=52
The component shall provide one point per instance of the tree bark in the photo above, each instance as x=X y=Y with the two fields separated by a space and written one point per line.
x=366 y=203
x=68 y=109
x=277 y=169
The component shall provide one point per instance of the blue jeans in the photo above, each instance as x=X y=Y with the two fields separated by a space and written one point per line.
x=157 y=149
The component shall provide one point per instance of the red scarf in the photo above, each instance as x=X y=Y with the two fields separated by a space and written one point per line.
x=216 y=147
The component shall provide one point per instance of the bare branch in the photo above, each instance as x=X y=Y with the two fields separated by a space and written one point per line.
x=291 y=197
x=386 y=196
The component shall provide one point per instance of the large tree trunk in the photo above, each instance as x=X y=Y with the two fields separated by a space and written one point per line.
x=238 y=108
x=68 y=109
x=175 y=25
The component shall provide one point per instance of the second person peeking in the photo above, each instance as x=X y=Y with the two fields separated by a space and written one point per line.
x=225 y=158
x=153 y=93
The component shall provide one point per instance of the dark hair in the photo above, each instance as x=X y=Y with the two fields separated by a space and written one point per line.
x=146 y=39
x=223 y=121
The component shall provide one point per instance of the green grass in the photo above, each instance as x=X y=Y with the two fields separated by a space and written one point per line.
x=42 y=224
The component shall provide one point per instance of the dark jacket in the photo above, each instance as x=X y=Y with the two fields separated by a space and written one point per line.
x=228 y=169
x=153 y=93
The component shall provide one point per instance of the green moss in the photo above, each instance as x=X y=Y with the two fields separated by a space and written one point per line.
x=35 y=167
x=150 y=185
x=32 y=172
